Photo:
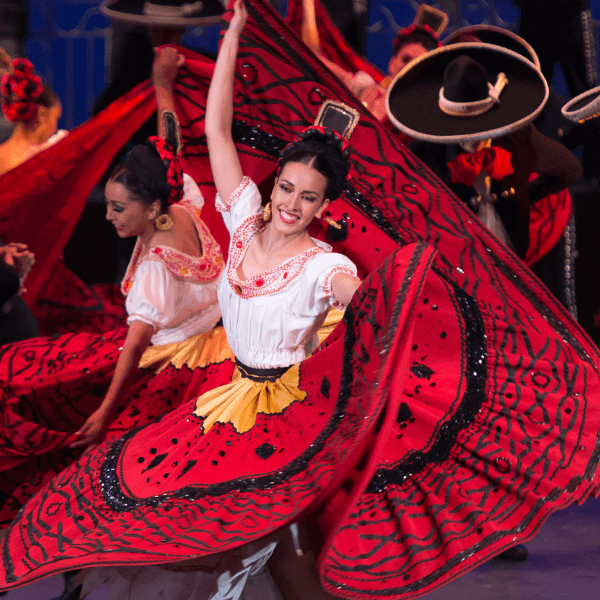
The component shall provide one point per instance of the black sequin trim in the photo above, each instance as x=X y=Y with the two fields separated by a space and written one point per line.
x=476 y=375
x=121 y=502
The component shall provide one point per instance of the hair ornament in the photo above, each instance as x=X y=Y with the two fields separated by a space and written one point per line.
x=21 y=87
x=408 y=31
x=325 y=135
x=172 y=164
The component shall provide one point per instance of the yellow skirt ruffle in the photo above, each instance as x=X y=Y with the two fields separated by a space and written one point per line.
x=198 y=351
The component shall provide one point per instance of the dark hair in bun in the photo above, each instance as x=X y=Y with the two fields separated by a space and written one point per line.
x=144 y=176
x=327 y=152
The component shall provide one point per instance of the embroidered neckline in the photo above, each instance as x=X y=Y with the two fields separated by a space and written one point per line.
x=269 y=282
x=201 y=269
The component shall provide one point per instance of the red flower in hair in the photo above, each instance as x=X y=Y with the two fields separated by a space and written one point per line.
x=22 y=64
x=20 y=90
x=172 y=163
x=407 y=31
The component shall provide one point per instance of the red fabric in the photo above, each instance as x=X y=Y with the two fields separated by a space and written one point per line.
x=43 y=198
x=449 y=414
x=51 y=385
x=66 y=304
x=548 y=219
x=331 y=41
x=494 y=161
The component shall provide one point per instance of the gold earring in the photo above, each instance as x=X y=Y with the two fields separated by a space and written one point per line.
x=331 y=222
x=267 y=212
x=164 y=222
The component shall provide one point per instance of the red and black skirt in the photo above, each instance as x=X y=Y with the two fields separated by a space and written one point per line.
x=50 y=386
x=430 y=433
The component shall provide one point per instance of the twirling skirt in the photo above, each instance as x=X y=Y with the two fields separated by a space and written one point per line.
x=431 y=431
x=49 y=386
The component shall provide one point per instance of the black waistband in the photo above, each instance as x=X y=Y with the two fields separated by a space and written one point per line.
x=260 y=375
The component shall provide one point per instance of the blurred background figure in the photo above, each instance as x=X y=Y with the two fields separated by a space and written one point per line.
x=32 y=107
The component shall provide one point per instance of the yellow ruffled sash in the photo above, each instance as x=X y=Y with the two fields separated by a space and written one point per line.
x=240 y=401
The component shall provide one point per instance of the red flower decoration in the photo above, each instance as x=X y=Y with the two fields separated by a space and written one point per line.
x=260 y=282
x=172 y=163
x=20 y=91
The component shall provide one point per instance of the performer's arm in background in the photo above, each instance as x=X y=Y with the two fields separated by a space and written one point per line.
x=224 y=161
x=164 y=70
x=556 y=165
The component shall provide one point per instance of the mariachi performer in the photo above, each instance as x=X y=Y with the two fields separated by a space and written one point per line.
x=457 y=125
x=444 y=419
x=549 y=216
x=62 y=394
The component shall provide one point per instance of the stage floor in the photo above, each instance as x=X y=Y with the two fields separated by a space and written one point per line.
x=563 y=564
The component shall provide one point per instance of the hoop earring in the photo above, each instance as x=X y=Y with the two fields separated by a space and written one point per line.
x=332 y=223
x=267 y=212
x=164 y=222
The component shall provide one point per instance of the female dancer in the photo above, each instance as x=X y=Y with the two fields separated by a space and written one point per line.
x=67 y=392
x=415 y=455
x=32 y=106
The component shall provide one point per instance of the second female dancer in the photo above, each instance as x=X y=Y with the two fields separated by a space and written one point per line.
x=60 y=395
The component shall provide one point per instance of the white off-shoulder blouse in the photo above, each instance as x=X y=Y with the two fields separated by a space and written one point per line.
x=172 y=291
x=272 y=319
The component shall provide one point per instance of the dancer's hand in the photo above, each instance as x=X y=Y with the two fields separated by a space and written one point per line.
x=16 y=255
x=240 y=16
x=93 y=430
x=165 y=66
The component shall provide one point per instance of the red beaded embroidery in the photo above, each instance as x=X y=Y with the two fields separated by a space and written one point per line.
x=329 y=280
x=221 y=206
x=269 y=282
x=201 y=269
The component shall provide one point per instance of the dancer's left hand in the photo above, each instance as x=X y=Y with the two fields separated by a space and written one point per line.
x=93 y=430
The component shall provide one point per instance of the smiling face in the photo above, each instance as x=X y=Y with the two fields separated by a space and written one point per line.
x=130 y=218
x=298 y=197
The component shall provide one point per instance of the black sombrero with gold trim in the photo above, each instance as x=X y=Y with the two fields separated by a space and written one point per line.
x=165 y=13
x=418 y=106
x=489 y=34
x=583 y=107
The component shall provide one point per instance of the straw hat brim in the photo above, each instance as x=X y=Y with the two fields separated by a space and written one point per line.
x=132 y=11
x=489 y=34
x=583 y=107
x=412 y=98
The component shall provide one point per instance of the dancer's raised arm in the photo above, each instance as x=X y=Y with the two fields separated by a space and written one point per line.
x=224 y=161
x=164 y=70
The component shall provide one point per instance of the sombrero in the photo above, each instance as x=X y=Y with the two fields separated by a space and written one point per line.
x=418 y=105
x=583 y=107
x=165 y=13
x=489 y=34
